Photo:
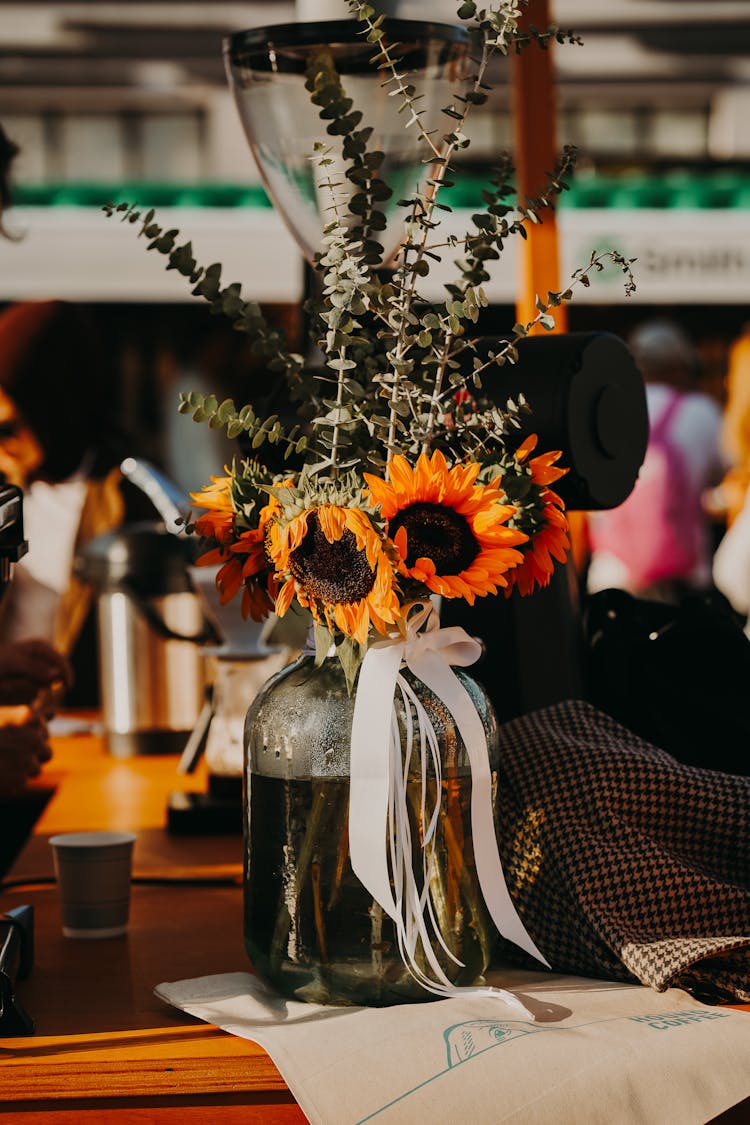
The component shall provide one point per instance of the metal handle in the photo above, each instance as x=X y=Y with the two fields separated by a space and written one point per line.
x=163 y=493
x=206 y=635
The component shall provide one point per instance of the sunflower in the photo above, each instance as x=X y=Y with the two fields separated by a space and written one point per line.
x=449 y=531
x=242 y=558
x=337 y=565
x=541 y=515
x=218 y=522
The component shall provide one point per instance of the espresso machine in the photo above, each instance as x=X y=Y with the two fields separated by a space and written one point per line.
x=178 y=670
x=247 y=653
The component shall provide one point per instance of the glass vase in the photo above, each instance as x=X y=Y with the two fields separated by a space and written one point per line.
x=311 y=928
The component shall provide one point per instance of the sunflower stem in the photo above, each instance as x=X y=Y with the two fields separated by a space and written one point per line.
x=456 y=849
x=320 y=926
x=315 y=822
x=342 y=853
x=438 y=889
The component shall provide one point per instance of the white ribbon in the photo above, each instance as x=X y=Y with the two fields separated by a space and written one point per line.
x=380 y=843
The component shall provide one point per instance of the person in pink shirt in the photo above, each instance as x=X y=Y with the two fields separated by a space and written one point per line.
x=658 y=543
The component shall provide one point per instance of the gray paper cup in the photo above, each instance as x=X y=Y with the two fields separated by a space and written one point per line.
x=93 y=874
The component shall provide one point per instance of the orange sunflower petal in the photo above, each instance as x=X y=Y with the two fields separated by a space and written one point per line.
x=284 y=598
x=526 y=447
x=212 y=558
x=229 y=580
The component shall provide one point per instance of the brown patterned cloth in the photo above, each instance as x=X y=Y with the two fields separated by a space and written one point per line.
x=624 y=864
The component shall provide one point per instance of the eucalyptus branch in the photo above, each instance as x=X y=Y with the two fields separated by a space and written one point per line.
x=499 y=26
x=493 y=226
x=503 y=25
x=336 y=429
x=410 y=272
x=225 y=415
x=347 y=283
x=454 y=141
x=385 y=60
x=544 y=38
x=436 y=391
x=245 y=315
x=493 y=425
x=509 y=352
x=327 y=91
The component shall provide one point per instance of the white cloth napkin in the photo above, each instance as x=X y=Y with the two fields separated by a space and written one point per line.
x=597 y=1052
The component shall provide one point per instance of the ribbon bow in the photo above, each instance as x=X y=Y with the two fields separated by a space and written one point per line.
x=379 y=829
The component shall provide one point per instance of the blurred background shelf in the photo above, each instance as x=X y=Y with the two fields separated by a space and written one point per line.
x=76 y=253
x=129 y=101
x=68 y=248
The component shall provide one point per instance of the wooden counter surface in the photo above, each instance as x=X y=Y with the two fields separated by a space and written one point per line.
x=106 y=1050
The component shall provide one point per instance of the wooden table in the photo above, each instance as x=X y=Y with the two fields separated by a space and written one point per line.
x=106 y=1050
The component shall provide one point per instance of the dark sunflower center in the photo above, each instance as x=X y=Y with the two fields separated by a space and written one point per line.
x=334 y=572
x=267 y=546
x=438 y=533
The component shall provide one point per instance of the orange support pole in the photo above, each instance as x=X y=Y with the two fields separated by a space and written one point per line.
x=534 y=104
x=535 y=129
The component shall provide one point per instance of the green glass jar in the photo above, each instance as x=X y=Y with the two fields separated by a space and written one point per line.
x=311 y=928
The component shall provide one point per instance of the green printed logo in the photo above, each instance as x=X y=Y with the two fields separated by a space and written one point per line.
x=678 y=1019
x=465 y=1040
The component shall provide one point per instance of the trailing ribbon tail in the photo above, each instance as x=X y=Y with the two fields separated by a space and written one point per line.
x=437 y=674
x=378 y=818
x=370 y=786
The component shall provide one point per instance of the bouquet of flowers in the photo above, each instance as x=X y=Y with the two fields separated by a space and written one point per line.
x=406 y=480
x=412 y=481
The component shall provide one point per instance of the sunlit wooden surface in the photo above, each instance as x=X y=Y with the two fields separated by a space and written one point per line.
x=106 y=1049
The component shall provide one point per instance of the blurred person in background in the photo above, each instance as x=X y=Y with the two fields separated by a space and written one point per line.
x=731 y=567
x=60 y=446
x=32 y=674
x=30 y=670
x=729 y=497
x=658 y=543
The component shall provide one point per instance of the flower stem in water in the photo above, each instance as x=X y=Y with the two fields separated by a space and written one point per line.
x=315 y=822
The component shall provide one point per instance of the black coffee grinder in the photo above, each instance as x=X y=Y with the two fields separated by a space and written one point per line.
x=587 y=399
x=13 y=546
x=17 y=926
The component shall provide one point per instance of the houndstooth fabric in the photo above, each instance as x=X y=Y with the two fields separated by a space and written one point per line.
x=624 y=863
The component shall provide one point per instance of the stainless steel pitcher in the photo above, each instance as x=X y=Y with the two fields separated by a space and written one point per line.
x=151 y=631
